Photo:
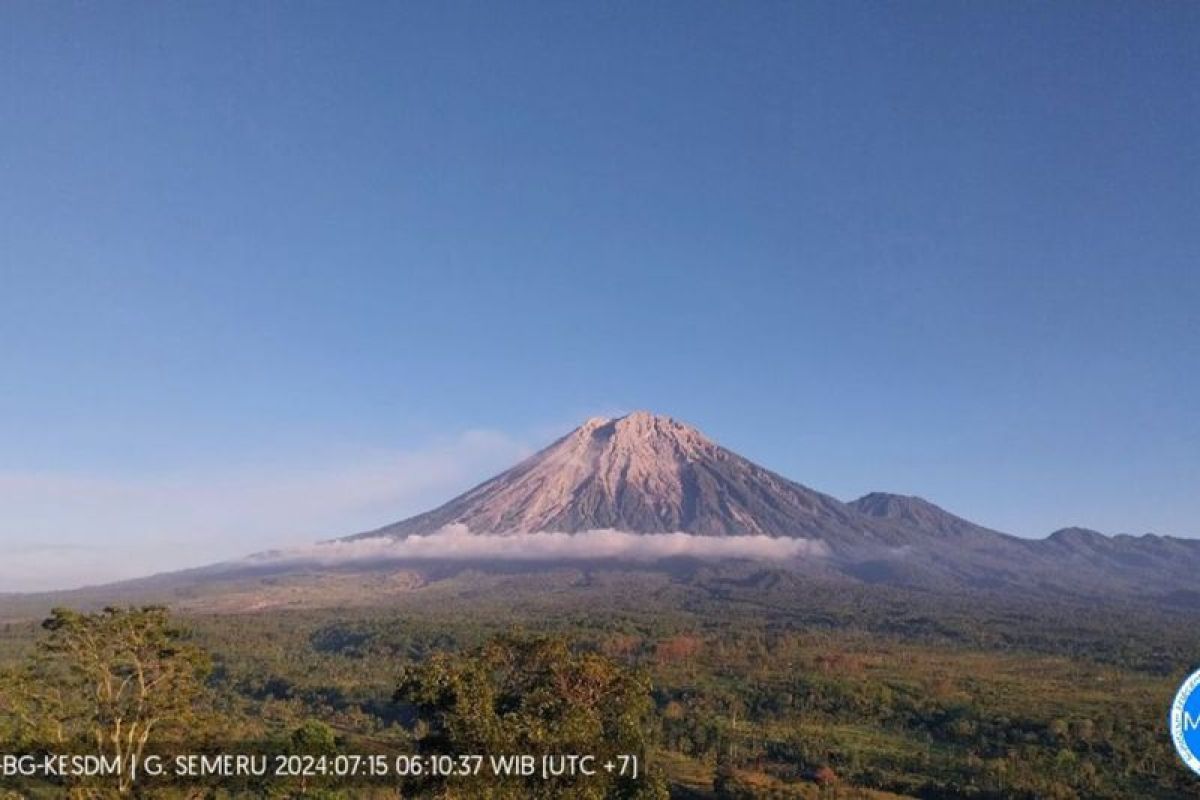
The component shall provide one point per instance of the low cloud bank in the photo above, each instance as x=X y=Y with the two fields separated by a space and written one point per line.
x=456 y=542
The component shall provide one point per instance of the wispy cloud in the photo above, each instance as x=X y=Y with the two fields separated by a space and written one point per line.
x=456 y=542
x=61 y=530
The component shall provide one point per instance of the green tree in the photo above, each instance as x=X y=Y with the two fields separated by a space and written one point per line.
x=535 y=696
x=108 y=682
x=313 y=737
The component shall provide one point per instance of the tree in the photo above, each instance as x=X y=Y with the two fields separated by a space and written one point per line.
x=535 y=696
x=313 y=737
x=107 y=682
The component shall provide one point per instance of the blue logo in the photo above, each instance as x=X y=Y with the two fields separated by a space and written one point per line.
x=1185 y=722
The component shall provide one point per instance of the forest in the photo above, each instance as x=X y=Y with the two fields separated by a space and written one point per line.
x=724 y=685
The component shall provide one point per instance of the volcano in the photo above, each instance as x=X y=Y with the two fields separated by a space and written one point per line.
x=650 y=474
x=641 y=473
x=645 y=493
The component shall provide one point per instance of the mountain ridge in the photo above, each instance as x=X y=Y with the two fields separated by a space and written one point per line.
x=646 y=473
x=655 y=475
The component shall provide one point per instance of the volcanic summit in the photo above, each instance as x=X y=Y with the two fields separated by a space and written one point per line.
x=642 y=473
x=649 y=474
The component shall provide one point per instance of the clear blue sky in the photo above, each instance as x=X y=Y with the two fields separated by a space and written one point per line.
x=950 y=249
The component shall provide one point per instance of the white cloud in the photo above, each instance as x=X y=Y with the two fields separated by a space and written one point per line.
x=62 y=530
x=455 y=542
